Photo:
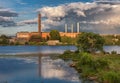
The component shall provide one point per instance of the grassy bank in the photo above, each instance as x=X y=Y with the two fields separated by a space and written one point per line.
x=112 y=39
x=103 y=68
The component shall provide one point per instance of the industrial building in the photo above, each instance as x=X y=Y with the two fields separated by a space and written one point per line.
x=27 y=35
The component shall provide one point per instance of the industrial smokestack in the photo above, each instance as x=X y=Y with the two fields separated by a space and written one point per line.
x=66 y=28
x=78 y=27
x=39 y=24
x=72 y=28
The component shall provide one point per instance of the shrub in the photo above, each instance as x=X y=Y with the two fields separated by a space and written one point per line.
x=100 y=63
x=86 y=59
x=110 y=77
x=67 y=52
x=113 y=52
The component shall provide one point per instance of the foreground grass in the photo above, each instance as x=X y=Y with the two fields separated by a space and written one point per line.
x=103 y=68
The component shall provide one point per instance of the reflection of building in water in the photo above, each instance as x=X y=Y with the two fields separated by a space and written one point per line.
x=40 y=68
x=39 y=64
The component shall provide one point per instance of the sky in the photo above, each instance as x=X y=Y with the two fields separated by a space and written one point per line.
x=21 y=15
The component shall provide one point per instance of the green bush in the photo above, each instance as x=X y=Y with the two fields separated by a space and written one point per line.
x=113 y=52
x=67 y=52
x=87 y=72
x=68 y=40
x=100 y=64
x=86 y=59
x=66 y=55
x=111 y=77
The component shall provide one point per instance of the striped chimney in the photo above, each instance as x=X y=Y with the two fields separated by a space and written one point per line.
x=72 y=28
x=78 y=27
x=66 y=26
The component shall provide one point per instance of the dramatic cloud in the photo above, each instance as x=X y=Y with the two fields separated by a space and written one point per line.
x=6 y=21
x=103 y=18
x=7 y=13
x=6 y=17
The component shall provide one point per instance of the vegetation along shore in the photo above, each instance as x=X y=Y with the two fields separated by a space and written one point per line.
x=55 y=35
x=101 y=67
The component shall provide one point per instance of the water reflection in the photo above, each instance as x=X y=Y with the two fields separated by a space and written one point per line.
x=18 y=50
x=56 y=71
x=40 y=68
x=39 y=64
x=15 y=69
x=36 y=69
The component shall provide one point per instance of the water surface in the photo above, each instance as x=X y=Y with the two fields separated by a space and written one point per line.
x=14 y=50
x=38 y=67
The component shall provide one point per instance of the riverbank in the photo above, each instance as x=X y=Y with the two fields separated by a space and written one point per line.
x=102 y=68
x=6 y=40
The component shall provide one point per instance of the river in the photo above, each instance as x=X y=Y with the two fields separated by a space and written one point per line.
x=38 y=69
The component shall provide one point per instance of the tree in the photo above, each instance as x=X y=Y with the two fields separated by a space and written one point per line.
x=4 y=40
x=90 y=42
x=68 y=40
x=3 y=37
x=55 y=35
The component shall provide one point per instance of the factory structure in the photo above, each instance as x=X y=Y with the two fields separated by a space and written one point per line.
x=27 y=35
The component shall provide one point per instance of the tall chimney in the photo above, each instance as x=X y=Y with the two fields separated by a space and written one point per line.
x=78 y=27
x=71 y=28
x=66 y=28
x=39 y=24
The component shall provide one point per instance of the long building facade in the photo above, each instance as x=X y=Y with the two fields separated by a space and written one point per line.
x=28 y=35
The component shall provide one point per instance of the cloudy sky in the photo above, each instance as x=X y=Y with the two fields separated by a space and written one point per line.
x=21 y=15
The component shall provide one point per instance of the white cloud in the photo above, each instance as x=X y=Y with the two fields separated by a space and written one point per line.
x=4 y=18
x=56 y=69
x=52 y=11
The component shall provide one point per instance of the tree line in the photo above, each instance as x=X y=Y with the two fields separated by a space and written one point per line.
x=83 y=40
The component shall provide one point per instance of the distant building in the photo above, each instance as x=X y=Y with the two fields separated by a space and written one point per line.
x=53 y=42
x=12 y=40
x=25 y=36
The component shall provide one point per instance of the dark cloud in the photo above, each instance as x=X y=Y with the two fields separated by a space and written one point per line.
x=7 y=13
x=6 y=16
x=27 y=22
x=7 y=23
